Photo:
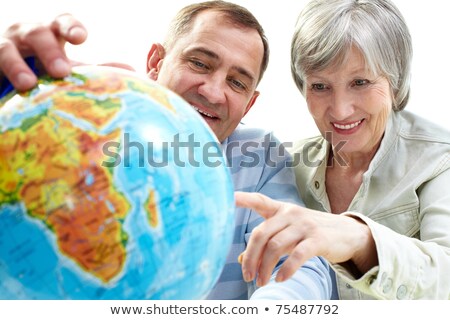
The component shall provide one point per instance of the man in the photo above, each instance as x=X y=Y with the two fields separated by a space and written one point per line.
x=214 y=56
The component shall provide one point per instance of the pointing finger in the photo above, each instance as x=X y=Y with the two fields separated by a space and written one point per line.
x=262 y=204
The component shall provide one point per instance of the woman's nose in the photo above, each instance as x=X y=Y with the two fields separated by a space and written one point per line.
x=342 y=104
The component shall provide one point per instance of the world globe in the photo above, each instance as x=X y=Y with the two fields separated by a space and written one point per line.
x=111 y=187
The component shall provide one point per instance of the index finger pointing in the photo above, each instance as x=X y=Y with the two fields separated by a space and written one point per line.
x=258 y=202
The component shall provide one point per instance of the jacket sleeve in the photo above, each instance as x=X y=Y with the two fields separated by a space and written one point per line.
x=411 y=268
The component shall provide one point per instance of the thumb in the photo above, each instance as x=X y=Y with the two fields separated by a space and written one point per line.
x=258 y=202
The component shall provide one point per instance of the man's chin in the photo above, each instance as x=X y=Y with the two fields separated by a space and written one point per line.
x=217 y=132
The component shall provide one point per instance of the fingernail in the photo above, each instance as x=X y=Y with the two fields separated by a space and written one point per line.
x=279 y=277
x=240 y=258
x=77 y=32
x=60 y=67
x=25 y=80
x=247 y=276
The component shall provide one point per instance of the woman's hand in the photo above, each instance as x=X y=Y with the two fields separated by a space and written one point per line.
x=302 y=234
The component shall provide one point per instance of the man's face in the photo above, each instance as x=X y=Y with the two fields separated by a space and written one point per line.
x=215 y=67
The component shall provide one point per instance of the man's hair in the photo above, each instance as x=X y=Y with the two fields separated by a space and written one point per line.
x=327 y=29
x=183 y=21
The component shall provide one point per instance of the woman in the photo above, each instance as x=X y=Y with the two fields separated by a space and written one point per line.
x=382 y=172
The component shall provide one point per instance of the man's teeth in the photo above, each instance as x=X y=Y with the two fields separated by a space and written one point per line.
x=347 y=126
x=203 y=112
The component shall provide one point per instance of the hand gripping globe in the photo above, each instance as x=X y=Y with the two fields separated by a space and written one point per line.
x=111 y=187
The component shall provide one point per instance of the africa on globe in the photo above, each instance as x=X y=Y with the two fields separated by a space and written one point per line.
x=101 y=199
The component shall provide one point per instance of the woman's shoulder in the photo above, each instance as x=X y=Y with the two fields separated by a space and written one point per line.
x=419 y=129
x=424 y=144
x=316 y=142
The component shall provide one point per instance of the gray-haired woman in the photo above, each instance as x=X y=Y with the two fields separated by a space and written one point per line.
x=383 y=172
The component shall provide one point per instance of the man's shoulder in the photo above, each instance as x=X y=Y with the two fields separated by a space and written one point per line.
x=245 y=133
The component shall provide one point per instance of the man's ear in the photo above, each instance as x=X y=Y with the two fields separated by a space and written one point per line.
x=251 y=102
x=154 y=60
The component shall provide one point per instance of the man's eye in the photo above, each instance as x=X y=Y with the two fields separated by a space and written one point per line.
x=236 y=83
x=198 y=64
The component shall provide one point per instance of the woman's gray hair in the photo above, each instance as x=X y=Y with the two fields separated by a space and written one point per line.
x=327 y=29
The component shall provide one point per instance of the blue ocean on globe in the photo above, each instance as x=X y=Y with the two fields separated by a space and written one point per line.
x=111 y=187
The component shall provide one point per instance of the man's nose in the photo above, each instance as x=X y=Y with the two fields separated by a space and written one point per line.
x=213 y=89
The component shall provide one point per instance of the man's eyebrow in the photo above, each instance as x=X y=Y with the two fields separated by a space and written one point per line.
x=245 y=73
x=205 y=51
x=215 y=56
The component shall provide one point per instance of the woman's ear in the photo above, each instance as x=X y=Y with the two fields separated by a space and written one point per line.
x=154 y=60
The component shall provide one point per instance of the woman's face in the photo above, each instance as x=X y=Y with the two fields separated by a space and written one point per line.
x=349 y=104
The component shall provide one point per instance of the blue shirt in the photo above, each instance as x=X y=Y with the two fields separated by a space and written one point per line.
x=258 y=163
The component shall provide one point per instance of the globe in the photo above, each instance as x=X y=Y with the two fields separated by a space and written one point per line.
x=111 y=187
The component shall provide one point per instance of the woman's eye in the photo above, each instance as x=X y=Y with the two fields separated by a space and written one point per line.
x=318 y=86
x=360 y=82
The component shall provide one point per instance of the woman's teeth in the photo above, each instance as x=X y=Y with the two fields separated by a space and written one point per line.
x=347 y=126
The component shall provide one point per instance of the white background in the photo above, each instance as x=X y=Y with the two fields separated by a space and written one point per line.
x=123 y=30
